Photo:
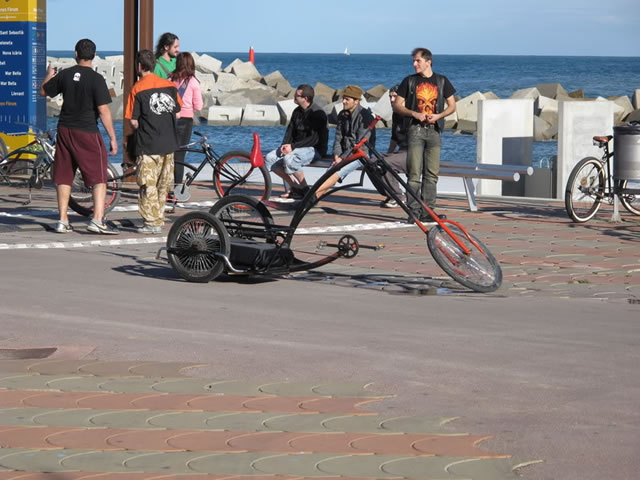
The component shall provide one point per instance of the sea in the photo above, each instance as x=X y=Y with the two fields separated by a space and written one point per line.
x=500 y=74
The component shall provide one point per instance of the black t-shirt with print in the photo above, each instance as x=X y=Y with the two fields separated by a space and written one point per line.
x=83 y=91
x=421 y=93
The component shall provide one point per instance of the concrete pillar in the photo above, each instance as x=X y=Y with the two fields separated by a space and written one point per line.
x=505 y=137
x=578 y=123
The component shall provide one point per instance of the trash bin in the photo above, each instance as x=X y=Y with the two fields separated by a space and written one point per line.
x=626 y=149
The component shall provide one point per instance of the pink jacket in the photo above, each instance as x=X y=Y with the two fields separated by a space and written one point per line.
x=192 y=98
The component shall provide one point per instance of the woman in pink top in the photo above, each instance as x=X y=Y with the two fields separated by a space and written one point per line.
x=184 y=78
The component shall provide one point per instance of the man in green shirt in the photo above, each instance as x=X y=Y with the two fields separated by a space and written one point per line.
x=167 y=49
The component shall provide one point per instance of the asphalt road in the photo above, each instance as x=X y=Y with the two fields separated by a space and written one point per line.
x=551 y=378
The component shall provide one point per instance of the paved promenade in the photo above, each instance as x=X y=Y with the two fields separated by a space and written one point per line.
x=492 y=396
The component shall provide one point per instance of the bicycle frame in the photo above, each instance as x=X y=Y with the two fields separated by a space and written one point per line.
x=376 y=169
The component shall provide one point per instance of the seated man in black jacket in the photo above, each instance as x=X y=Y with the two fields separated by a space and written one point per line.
x=305 y=140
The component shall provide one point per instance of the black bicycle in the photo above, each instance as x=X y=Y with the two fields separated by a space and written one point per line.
x=239 y=236
x=232 y=171
x=592 y=181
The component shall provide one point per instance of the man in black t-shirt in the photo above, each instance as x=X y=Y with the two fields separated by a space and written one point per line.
x=79 y=142
x=422 y=97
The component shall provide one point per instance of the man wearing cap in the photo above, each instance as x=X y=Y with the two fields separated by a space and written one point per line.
x=422 y=97
x=352 y=124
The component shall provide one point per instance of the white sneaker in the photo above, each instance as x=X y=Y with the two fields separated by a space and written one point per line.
x=62 y=227
x=149 y=229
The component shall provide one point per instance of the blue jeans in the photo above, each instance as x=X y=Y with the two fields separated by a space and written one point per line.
x=423 y=160
x=291 y=162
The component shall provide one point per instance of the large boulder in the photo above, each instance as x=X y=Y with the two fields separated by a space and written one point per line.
x=551 y=90
x=208 y=64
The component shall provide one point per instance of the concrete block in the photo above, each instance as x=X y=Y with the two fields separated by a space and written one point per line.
x=551 y=90
x=578 y=123
x=246 y=71
x=208 y=100
x=505 y=136
x=207 y=82
x=272 y=79
x=383 y=107
x=286 y=108
x=466 y=126
x=324 y=91
x=225 y=81
x=547 y=104
x=208 y=64
x=224 y=115
x=531 y=92
x=260 y=115
x=53 y=108
x=539 y=127
x=574 y=94
x=467 y=107
x=229 y=68
x=633 y=116
x=116 y=106
x=247 y=96
x=549 y=116
x=451 y=121
x=622 y=108
x=635 y=101
x=375 y=93
x=490 y=96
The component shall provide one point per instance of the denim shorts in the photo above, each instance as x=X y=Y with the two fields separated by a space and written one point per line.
x=292 y=162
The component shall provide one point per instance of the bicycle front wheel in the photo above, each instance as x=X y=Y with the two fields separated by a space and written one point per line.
x=585 y=190
x=81 y=200
x=13 y=170
x=629 y=201
x=478 y=270
x=234 y=174
x=194 y=245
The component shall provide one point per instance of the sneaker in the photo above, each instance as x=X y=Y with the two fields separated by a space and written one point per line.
x=149 y=229
x=299 y=193
x=388 y=203
x=62 y=227
x=103 y=228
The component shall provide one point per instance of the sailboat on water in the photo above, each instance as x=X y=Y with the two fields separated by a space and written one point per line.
x=346 y=51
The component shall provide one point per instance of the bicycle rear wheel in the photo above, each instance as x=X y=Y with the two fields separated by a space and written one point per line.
x=478 y=271
x=629 y=201
x=81 y=200
x=242 y=216
x=585 y=190
x=194 y=245
x=233 y=174
x=13 y=170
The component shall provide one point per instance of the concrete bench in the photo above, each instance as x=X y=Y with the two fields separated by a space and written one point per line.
x=467 y=171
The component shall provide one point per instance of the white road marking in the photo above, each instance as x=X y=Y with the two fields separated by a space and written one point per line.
x=359 y=227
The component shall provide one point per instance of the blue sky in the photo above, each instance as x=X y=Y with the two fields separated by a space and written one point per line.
x=500 y=27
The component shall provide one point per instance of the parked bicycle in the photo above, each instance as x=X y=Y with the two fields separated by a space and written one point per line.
x=32 y=165
x=239 y=236
x=593 y=180
x=232 y=171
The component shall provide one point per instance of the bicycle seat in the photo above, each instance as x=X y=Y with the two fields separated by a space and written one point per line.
x=602 y=141
x=257 y=160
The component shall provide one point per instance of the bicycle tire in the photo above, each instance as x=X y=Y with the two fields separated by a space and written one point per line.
x=242 y=216
x=181 y=190
x=16 y=169
x=193 y=243
x=4 y=151
x=235 y=166
x=81 y=199
x=478 y=271
x=629 y=201
x=585 y=190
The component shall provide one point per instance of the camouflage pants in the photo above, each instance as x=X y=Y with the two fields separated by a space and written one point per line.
x=155 y=178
